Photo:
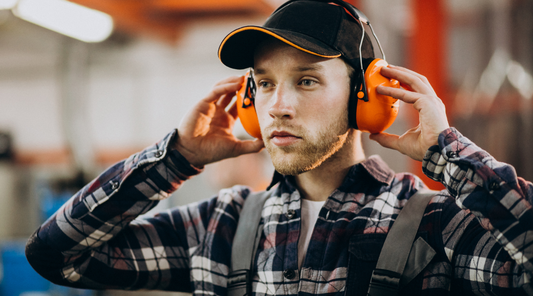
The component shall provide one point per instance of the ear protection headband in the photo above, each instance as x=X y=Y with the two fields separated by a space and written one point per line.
x=368 y=111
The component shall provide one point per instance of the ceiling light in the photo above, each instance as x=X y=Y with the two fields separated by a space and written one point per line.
x=67 y=18
x=7 y=4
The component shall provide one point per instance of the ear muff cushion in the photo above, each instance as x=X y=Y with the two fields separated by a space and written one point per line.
x=379 y=112
x=246 y=110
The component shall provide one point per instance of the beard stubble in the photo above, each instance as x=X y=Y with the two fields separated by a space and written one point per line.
x=315 y=149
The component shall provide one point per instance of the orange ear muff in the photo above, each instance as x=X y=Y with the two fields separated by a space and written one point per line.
x=378 y=112
x=245 y=107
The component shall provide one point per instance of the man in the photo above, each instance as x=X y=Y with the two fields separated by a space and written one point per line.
x=331 y=207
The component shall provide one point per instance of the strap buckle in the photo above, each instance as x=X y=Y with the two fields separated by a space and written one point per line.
x=384 y=283
x=238 y=283
x=238 y=277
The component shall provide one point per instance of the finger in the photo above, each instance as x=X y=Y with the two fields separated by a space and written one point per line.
x=230 y=79
x=411 y=72
x=221 y=90
x=225 y=100
x=249 y=146
x=409 y=79
x=233 y=110
x=386 y=140
x=403 y=69
x=398 y=93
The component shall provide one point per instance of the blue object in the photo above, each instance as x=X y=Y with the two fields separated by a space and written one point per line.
x=18 y=275
x=51 y=202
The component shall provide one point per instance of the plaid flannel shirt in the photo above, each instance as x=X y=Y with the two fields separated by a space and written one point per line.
x=480 y=227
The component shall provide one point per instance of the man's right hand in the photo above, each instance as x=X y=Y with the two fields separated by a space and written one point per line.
x=205 y=133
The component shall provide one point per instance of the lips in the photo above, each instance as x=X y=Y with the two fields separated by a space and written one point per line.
x=283 y=138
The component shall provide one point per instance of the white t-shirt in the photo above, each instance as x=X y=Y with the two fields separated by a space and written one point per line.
x=310 y=211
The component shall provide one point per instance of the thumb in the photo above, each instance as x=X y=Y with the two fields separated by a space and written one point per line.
x=249 y=146
x=386 y=140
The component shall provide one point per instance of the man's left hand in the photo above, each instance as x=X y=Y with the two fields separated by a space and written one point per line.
x=418 y=92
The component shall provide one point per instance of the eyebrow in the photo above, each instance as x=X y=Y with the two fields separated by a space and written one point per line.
x=312 y=67
x=259 y=71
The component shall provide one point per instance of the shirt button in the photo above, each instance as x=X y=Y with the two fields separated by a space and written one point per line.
x=451 y=154
x=289 y=274
x=291 y=214
x=114 y=185
x=158 y=153
x=494 y=186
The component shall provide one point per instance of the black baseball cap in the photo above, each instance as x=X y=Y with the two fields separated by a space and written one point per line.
x=313 y=26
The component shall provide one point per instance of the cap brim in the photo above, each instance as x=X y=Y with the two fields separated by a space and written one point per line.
x=237 y=49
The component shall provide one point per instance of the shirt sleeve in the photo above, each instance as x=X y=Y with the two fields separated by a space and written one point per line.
x=500 y=200
x=95 y=241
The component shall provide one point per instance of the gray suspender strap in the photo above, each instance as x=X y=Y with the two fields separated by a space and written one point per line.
x=243 y=250
x=399 y=253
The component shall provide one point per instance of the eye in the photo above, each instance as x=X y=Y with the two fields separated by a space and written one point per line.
x=264 y=84
x=307 y=82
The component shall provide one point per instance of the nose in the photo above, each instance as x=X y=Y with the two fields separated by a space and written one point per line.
x=281 y=106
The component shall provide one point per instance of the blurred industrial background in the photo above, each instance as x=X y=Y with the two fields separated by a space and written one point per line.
x=71 y=105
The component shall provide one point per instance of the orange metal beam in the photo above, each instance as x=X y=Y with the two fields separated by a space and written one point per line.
x=427 y=56
x=427 y=53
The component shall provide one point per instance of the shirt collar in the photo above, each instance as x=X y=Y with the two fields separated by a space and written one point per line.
x=374 y=166
x=378 y=169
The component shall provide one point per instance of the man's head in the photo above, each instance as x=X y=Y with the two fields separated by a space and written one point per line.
x=302 y=106
x=303 y=58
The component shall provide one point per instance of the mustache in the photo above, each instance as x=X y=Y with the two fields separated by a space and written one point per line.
x=281 y=126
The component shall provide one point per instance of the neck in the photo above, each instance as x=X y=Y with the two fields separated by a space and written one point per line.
x=319 y=183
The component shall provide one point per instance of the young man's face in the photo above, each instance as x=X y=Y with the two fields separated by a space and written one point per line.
x=302 y=106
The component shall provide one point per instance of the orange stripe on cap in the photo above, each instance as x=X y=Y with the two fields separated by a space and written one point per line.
x=273 y=35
